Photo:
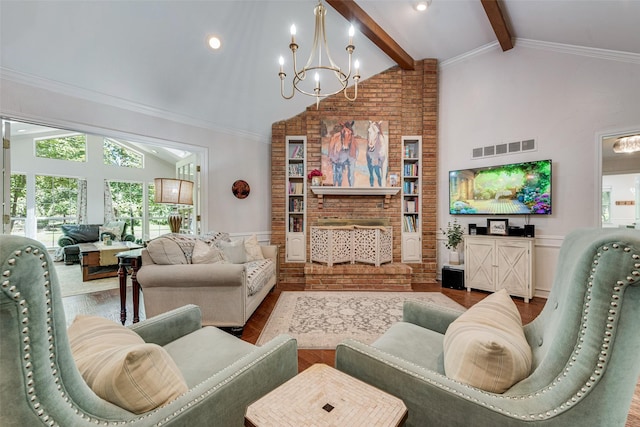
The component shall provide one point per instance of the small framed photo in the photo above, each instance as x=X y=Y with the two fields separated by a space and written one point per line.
x=393 y=180
x=498 y=227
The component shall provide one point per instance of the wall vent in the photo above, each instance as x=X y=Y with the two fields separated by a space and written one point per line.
x=504 y=148
x=501 y=149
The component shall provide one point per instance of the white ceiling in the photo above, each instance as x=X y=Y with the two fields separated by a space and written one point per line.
x=153 y=54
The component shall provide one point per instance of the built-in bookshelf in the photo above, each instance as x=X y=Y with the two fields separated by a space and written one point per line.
x=295 y=250
x=411 y=183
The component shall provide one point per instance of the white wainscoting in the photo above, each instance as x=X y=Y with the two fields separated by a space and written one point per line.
x=546 y=259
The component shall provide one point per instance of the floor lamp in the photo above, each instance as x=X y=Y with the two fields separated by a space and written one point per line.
x=174 y=192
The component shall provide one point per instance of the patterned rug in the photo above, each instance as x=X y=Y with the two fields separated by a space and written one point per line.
x=322 y=319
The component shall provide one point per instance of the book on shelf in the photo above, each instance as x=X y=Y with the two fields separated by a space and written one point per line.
x=295 y=224
x=410 y=206
x=410 y=223
x=297 y=152
x=296 y=170
x=296 y=188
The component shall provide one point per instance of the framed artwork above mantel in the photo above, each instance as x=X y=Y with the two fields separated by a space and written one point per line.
x=355 y=153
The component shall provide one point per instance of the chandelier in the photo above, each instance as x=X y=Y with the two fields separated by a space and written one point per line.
x=340 y=80
x=627 y=144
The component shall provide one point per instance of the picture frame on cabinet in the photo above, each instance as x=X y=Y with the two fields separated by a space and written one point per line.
x=497 y=227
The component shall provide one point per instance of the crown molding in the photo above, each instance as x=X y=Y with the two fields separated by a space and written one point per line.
x=470 y=54
x=125 y=104
x=591 y=52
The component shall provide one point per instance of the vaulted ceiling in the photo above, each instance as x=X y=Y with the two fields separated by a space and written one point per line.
x=152 y=56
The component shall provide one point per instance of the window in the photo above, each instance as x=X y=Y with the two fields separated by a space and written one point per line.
x=118 y=155
x=18 y=204
x=56 y=204
x=127 y=204
x=71 y=147
x=158 y=214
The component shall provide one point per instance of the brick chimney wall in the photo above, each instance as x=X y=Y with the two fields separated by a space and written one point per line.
x=408 y=100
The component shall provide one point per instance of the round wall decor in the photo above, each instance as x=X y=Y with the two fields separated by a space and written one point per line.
x=241 y=189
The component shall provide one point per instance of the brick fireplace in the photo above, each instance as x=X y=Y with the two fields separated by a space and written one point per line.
x=408 y=100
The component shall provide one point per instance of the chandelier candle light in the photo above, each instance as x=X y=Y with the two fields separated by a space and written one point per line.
x=175 y=192
x=319 y=44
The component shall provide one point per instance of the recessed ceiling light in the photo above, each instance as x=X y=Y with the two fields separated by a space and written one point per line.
x=422 y=6
x=214 y=42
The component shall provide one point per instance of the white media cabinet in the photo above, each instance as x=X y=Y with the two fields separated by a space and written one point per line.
x=496 y=262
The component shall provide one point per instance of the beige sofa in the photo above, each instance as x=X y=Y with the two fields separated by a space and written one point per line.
x=228 y=291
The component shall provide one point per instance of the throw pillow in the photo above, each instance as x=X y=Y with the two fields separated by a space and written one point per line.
x=234 y=252
x=252 y=247
x=121 y=368
x=120 y=226
x=166 y=251
x=112 y=231
x=205 y=254
x=486 y=348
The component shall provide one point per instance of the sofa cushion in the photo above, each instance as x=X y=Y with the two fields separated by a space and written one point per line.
x=121 y=368
x=259 y=273
x=205 y=254
x=486 y=348
x=114 y=232
x=234 y=252
x=82 y=233
x=119 y=228
x=252 y=248
x=212 y=237
x=166 y=251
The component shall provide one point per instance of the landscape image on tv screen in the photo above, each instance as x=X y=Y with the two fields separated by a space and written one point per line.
x=513 y=189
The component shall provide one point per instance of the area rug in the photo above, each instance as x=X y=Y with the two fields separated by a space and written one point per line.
x=321 y=320
x=70 y=280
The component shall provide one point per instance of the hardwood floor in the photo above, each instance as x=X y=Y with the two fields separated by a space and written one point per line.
x=107 y=304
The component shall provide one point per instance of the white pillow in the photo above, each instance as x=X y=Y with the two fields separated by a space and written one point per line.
x=234 y=252
x=205 y=254
x=166 y=252
x=252 y=247
x=486 y=348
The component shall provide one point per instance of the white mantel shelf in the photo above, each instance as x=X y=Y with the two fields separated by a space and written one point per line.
x=321 y=191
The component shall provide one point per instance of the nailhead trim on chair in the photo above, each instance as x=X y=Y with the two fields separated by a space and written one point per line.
x=28 y=366
x=612 y=320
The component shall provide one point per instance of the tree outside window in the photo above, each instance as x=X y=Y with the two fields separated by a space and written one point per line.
x=71 y=147
x=127 y=205
x=18 y=207
x=118 y=155
x=56 y=204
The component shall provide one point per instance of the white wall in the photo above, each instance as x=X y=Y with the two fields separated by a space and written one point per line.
x=226 y=157
x=562 y=100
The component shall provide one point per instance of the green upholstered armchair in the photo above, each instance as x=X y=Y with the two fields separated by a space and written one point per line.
x=585 y=345
x=41 y=385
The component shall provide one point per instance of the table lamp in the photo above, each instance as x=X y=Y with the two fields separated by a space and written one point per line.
x=175 y=192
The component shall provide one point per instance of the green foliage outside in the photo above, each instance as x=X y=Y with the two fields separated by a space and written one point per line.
x=118 y=155
x=72 y=148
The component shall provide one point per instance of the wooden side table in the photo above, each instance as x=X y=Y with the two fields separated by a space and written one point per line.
x=324 y=396
x=131 y=259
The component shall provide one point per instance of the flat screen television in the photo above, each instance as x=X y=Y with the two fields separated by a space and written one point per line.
x=512 y=189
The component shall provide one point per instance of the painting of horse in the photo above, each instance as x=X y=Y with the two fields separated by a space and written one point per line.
x=343 y=152
x=376 y=153
x=348 y=159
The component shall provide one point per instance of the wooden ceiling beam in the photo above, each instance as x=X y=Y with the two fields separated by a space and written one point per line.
x=492 y=9
x=354 y=13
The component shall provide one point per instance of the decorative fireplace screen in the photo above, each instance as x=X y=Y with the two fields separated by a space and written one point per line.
x=352 y=243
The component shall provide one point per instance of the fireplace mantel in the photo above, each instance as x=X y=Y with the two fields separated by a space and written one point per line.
x=321 y=191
